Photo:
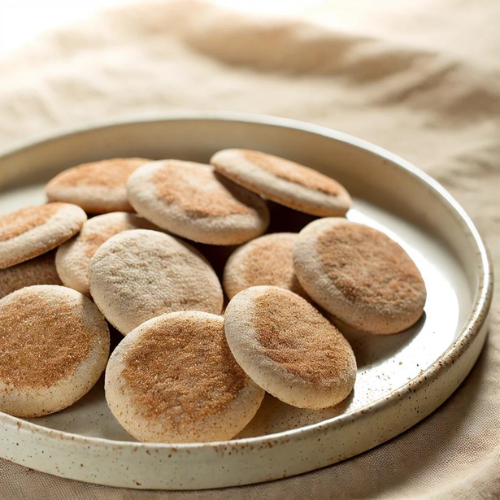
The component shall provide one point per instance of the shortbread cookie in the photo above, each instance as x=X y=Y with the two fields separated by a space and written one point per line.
x=38 y=271
x=54 y=345
x=190 y=200
x=33 y=231
x=359 y=275
x=140 y=274
x=283 y=181
x=73 y=257
x=97 y=187
x=264 y=261
x=174 y=380
x=288 y=348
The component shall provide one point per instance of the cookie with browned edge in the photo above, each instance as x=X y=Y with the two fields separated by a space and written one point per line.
x=283 y=181
x=359 y=275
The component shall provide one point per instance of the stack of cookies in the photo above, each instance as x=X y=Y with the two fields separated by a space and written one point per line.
x=201 y=348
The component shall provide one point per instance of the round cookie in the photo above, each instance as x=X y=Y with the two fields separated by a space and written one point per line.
x=73 y=257
x=283 y=181
x=359 y=275
x=33 y=231
x=288 y=348
x=264 y=261
x=38 y=271
x=140 y=274
x=190 y=200
x=98 y=187
x=174 y=380
x=54 y=345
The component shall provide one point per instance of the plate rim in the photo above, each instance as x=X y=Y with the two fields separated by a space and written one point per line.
x=470 y=330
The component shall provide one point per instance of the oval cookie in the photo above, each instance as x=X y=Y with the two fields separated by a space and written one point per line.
x=54 y=345
x=359 y=275
x=190 y=200
x=174 y=380
x=73 y=257
x=33 y=231
x=264 y=261
x=38 y=271
x=140 y=274
x=288 y=348
x=283 y=181
x=98 y=187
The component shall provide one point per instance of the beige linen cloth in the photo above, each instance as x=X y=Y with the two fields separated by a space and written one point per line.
x=429 y=91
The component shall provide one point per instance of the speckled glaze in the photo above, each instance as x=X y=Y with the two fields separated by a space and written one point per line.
x=401 y=379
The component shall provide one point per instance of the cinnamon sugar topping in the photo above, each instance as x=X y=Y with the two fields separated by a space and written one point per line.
x=367 y=266
x=183 y=370
x=295 y=335
x=17 y=223
x=43 y=339
x=199 y=191
x=293 y=172
x=107 y=173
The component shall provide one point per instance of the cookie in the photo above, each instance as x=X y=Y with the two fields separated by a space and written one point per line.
x=140 y=274
x=33 y=231
x=73 y=257
x=288 y=348
x=264 y=261
x=283 y=181
x=54 y=345
x=174 y=380
x=359 y=275
x=190 y=200
x=97 y=187
x=38 y=271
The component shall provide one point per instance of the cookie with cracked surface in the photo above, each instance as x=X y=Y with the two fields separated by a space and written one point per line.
x=174 y=380
x=283 y=181
x=191 y=200
x=97 y=187
x=33 y=231
x=54 y=345
x=288 y=348
x=359 y=275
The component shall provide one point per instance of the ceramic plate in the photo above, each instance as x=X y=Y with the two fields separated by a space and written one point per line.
x=401 y=379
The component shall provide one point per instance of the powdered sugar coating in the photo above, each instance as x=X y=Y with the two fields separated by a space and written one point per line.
x=73 y=257
x=140 y=274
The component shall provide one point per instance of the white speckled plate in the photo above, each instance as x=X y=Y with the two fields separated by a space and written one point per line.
x=402 y=378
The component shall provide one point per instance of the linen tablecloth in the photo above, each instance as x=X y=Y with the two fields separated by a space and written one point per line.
x=422 y=82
